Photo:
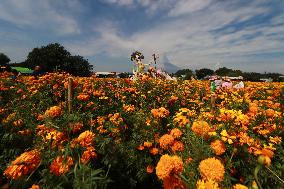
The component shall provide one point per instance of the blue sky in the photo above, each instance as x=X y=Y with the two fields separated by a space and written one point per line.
x=194 y=34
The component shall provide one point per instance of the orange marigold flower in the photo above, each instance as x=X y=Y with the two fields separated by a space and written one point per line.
x=166 y=140
x=83 y=97
x=154 y=151
x=150 y=169
x=61 y=165
x=218 y=146
x=128 y=108
x=23 y=165
x=253 y=108
x=212 y=168
x=176 y=133
x=172 y=182
x=160 y=113
x=88 y=155
x=86 y=138
x=200 y=128
x=177 y=146
x=40 y=117
x=239 y=186
x=168 y=165
x=269 y=112
x=188 y=160
x=35 y=186
x=148 y=144
x=140 y=147
x=207 y=184
x=25 y=132
x=76 y=126
x=53 y=112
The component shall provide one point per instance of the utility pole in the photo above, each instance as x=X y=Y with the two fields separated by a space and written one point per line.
x=155 y=60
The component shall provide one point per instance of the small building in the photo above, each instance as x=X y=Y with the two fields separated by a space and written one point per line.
x=105 y=74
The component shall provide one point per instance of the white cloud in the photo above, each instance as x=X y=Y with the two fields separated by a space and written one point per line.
x=190 y=41
x=38 y=15
x=119 y=2
x=188 y=6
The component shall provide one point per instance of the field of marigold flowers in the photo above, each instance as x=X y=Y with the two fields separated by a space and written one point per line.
x=145 y=133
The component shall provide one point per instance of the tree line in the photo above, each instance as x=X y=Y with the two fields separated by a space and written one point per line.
x=50 y=58
x=248 y=76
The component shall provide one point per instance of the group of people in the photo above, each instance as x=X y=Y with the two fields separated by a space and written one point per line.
x=219 y=83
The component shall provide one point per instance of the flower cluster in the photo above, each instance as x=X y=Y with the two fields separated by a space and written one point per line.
x=23 y=165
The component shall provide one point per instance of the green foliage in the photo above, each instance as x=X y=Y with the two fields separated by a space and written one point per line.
x=203 y=72
x=187 y=73
x=55 y=57
x=4 y=59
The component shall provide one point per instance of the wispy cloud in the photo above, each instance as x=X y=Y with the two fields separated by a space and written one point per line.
x=187 y=33
x=189 y=41
x=38 y=15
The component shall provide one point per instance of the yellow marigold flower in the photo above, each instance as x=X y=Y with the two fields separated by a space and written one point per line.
x=18 y=123
x=61 y=165
x=168 y=165
x=177 y=146
x=86 y=138
x=239 y=186
x=207 y=184
x=212 y=168
x=275 y=140
x=147 y=144
x=200 y=128
x=53 y=112
x=23 y=165
x=166 y=140
x=148 y=122
x=218 y=146
x=128 y=108
x=176 y=133
x=181 y=120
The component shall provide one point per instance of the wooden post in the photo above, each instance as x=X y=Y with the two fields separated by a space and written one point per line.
x=70 y=85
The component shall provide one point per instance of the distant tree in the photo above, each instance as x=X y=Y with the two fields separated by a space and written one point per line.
x=48 y=57
x=203 y=72
x=223 y=71
x=55 y=57
x=252 y=76
x=77 y=65
x=19 y=64
x=186 y=73
x=4 y=59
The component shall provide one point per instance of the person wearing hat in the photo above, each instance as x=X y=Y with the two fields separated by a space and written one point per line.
x=240 y=85
x=227 y=84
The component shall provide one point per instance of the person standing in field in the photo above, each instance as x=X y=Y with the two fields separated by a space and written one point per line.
x=37 y=71
x=239 y=85
x=227 y=84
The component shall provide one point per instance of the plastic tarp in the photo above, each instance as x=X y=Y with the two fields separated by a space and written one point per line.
x=23 y=70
